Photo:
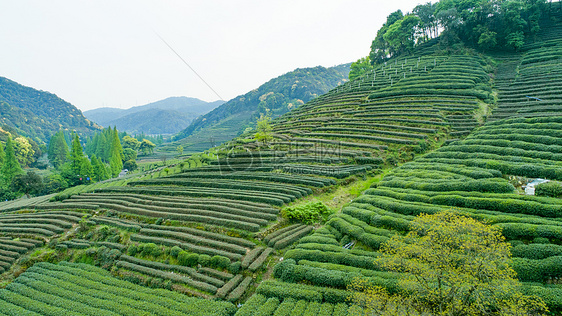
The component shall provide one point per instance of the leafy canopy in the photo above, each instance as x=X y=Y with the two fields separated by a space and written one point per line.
x=451 y=265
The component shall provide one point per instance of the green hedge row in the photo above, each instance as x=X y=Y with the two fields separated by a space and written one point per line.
x=26 y=231
x=229 y=286
x=45 y=303
x=429 y=91
x=513 y=144
x=345 y=258
x=251 y=256
x=260 y=260
x=193 y=239
x=530 y=130
x=14 y=227
x=495 y=185
x=388 y=126
x=281 y=178
x=167 y=276
x=552 y=295
x=254 y=303
x=319 y=239
x=267 y=215
x=508 y=151
x=116 y=223
x=207 y=234
x=186 y=246
x=530 y=270
x=283 y=241
x=237 y=293
x=7 y=253
x=365 y=137
x=225 y=276
x=210 y=204
x=185 y=217
x=176 y=268
x=513 y=231
x=289 y=271
x=33 y=220
x=493 y=203
x=244 y=196
x=346 y=129
x=95 y=282
x=280 y=233
x=530 y=169
x=293 y=192
x=346 y=225
x=536 y=251
x=327 y=171
x=282 y=290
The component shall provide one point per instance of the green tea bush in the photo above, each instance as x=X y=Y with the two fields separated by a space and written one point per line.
x=219 y=262
x=229 y=286
x=536 y=251
x=188 y=259
x=308 y=213
x=237 y=293
x=551 y=189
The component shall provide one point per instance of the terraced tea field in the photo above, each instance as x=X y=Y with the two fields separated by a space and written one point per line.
x=213 y=229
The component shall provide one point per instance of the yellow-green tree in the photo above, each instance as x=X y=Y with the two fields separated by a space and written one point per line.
x=263 y=129
x=451 y=265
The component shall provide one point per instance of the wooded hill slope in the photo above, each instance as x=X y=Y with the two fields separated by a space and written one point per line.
x=278 y=96
x=38 y=114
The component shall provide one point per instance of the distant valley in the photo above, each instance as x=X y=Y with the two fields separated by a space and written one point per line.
x=167 y=116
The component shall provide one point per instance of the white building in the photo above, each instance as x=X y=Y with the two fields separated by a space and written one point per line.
x=530 y=187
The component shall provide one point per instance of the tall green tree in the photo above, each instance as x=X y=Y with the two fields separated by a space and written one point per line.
x=117 y=156
x=58 y=150
x=11 y=166
x=116 y=144
x=116 y=164
x=76 y=155
x=98 y=168
x=2 y=155
x=86 y=171
x=380 y=50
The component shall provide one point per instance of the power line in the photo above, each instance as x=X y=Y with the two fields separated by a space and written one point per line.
x=183 y=60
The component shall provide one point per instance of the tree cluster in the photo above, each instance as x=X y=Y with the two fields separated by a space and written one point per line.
x=483 y=24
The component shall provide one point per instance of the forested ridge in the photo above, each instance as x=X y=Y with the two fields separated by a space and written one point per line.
x=38 y=114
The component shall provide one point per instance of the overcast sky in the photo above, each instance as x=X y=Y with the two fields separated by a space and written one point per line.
x=108 y=53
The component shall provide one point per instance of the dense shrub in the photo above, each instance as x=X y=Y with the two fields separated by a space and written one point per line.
x=536 y=251
x=551 y=189
x=308 y=213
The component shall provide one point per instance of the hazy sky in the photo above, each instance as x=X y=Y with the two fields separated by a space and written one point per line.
x=108 y=53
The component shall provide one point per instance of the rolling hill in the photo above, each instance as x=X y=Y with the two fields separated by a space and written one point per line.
x=167 y=116
x=279 y=95
x=38 y=114
x=438 y=129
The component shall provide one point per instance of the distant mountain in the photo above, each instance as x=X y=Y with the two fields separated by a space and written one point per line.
x=166 y=116
x=38 y=114
x=279 y=96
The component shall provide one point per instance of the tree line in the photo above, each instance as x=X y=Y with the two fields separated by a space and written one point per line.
x=100 y=157
x=487 y=25
x=484 y=24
